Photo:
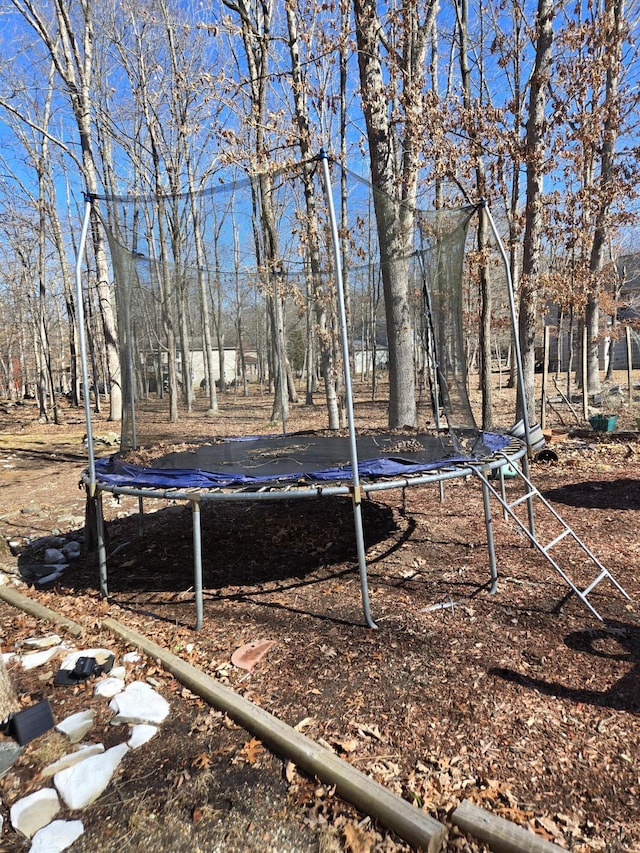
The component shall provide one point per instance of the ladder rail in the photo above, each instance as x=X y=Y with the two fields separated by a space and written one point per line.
x=583 y=545
x=533 y=492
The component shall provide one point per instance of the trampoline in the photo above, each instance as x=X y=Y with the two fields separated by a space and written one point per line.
x=311 y=466
x=295 y=466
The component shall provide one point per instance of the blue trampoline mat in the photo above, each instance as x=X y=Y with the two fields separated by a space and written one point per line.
x=302 y=458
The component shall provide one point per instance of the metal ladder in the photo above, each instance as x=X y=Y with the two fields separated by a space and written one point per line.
x=531 y=493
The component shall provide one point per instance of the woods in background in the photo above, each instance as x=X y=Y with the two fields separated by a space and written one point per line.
x=532 y=107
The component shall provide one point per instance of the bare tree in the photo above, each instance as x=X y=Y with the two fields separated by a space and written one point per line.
x=321 y=297
x=395 y=142
x=472 y=121
x=255 y=29
x=67 y=33
x=613 y=33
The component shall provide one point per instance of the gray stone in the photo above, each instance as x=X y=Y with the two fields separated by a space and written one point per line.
x=72 y=550
x=54 y=557
x=9 y=754
x=54 y=576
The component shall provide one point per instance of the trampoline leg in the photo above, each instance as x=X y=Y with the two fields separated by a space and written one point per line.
x=197 y=562
x=530 y=512
x=362 y=563
x=140 y=516
x=488 y=520
x=102 y=550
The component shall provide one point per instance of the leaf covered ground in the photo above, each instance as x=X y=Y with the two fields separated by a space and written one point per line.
x=521 y=701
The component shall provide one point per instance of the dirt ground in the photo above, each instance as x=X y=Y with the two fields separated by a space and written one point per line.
x=521 y=702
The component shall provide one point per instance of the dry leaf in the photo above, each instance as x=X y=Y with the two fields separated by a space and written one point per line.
x=290 y=771
x=371 y=731
x=251 y=750
x=348 y=745
x=304 y=724
x=201 y=761
x=357 y=840
x=547 y=829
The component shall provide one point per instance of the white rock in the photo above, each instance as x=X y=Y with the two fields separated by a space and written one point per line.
x=109 y=687
x=131 y=657
x=99 y=654
x=119 y=672
x=139 y=703
x=53 y=556
x=31 y=813
x=82 y=784
x=31 y=661
x=43 y=642
x=85 y=751
x=140 y=734
x=57 y=836
x=76 y=726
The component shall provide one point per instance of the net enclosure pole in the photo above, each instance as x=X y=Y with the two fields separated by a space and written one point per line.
x=518 y=354
x=197 y=561
x=83 y=343
x=514 y=320
x=94 y=500
x=356 y=492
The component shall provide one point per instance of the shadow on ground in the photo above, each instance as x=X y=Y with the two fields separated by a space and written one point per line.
x=598 y=494
x=618 y=642
x=243 y=544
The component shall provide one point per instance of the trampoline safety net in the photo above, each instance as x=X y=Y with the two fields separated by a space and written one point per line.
x=179 y=258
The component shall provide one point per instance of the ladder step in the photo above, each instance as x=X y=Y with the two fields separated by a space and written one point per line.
x=556 y=540
x=522 y=499
x=544 y=549
x=603 y=574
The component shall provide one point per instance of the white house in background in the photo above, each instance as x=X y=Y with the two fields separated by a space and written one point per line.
x=196 y=366
x=232 y=366
x=363 y=359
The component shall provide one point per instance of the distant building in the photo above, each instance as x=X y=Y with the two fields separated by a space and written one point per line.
x=232 y=368
x=612 y=345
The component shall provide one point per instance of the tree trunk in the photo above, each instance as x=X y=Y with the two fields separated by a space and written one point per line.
x=395 y=182
x=470 y=113
x=614 y=28
x=535 y=159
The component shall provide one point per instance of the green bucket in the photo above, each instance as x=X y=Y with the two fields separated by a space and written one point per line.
x=603 y=423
